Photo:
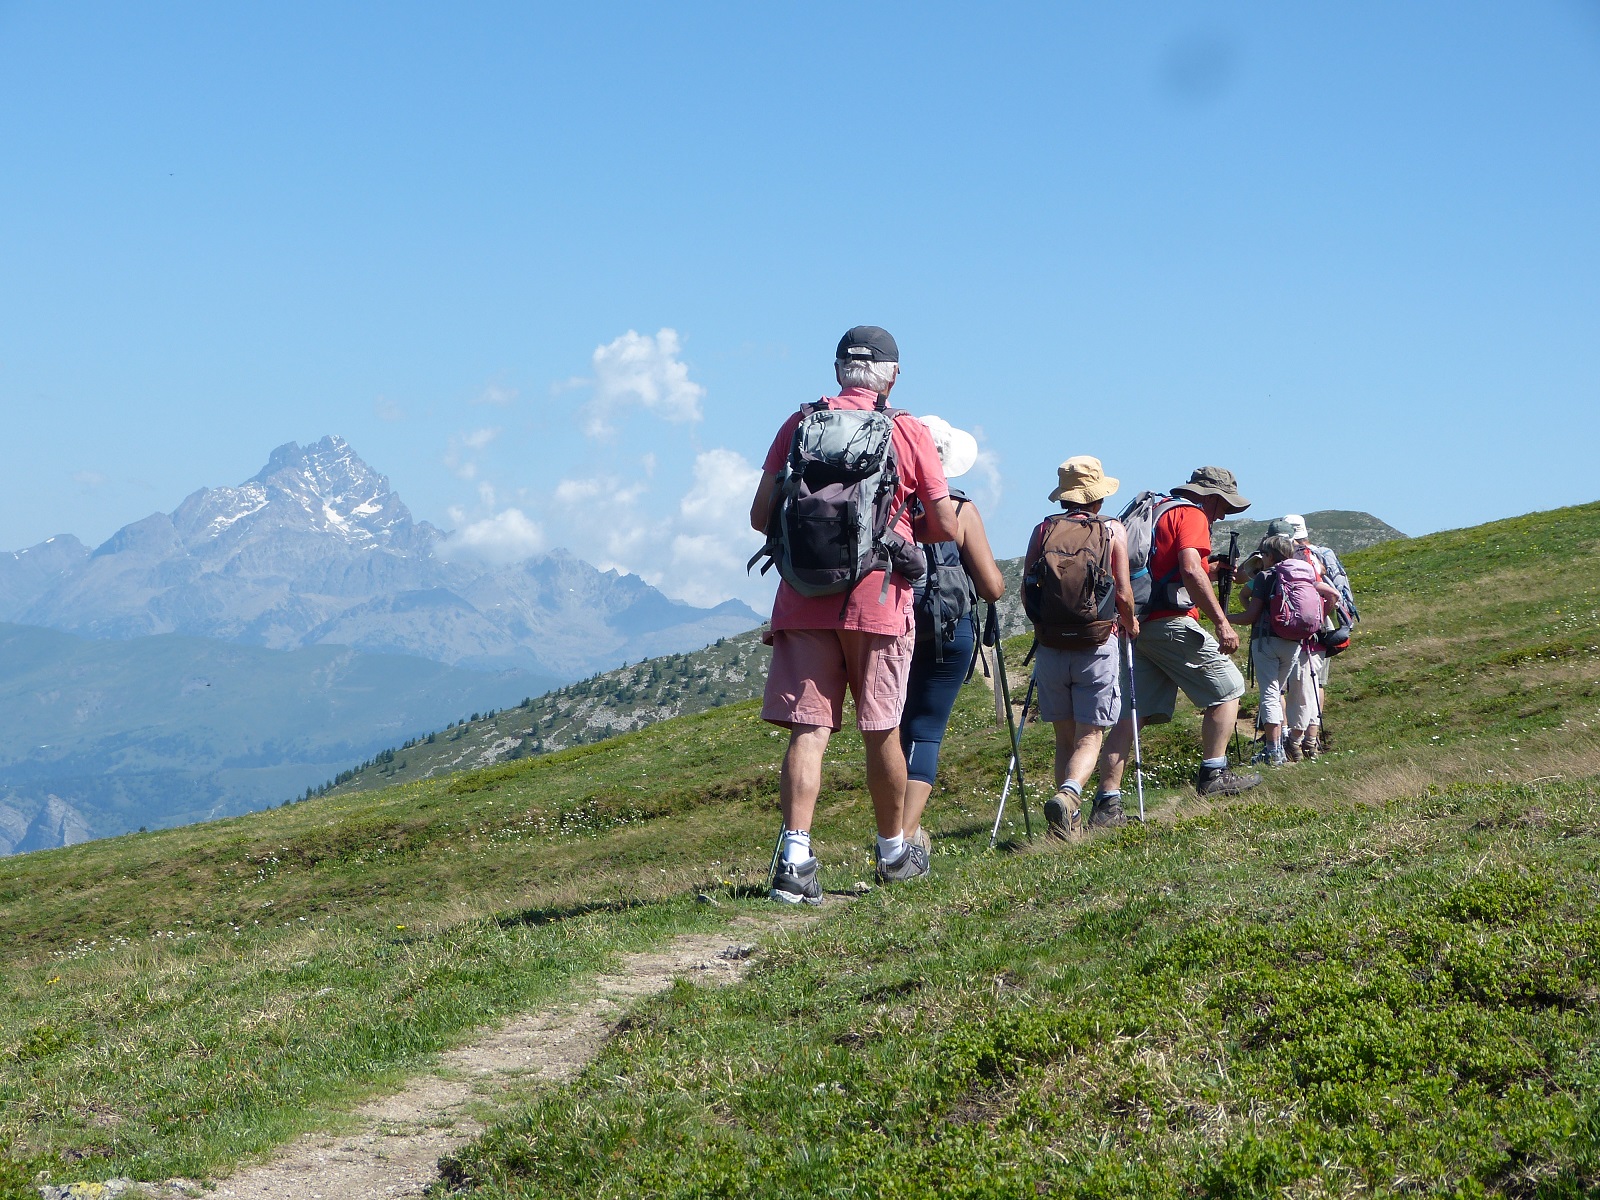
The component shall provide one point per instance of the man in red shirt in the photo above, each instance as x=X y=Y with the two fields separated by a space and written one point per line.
x=820 y=649
x=1173 y=651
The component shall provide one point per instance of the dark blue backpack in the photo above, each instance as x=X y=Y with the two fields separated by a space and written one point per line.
x=945 y=594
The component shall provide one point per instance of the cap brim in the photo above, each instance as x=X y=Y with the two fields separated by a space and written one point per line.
x=1234 y=502
x=1086 y=495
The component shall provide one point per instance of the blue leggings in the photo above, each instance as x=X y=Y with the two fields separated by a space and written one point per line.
x=930 y=695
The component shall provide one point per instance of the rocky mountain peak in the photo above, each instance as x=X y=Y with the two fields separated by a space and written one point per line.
x=324 y=488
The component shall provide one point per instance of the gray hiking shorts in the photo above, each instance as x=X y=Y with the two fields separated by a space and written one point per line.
x=1283 y=673
x=1173 y=653
x=1079 y=685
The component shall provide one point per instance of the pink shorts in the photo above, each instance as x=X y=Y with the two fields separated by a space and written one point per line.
x=811 y=668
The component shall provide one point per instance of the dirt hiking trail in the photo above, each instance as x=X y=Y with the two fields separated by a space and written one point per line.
x=400 y=1138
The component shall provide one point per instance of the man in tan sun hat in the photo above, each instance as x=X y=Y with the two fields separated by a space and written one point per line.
x=1078 y=594
x=1172 y=651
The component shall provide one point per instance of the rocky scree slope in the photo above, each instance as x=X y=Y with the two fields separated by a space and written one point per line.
x=611 y=702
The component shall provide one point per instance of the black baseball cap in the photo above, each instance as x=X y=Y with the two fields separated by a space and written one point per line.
x=867 y=343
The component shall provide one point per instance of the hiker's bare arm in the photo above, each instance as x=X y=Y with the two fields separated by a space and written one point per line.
x=1330 y=597
x=761 y=506
x=976 y=556
x=1126 y=616
x=1252 y=612
x=1193 y=569
x=942 y=523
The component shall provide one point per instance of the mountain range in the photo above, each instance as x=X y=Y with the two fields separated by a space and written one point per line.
x=316 y=549
x=258 y=639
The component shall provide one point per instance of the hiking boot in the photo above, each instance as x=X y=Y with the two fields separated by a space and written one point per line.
x=797 y=883
x=1063 y=816
x=1107 y=813
x=1223 y=781
x=912 y=864
x=1272 y=754
x=1312 y=746
x=1292 y=748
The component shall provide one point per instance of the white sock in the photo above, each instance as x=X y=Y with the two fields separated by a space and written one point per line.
x=796 y=845
x=1075 y=788
x=891 y=848
x=1214 y=764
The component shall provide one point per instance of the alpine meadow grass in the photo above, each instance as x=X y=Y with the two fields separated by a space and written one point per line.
x=1375 y=974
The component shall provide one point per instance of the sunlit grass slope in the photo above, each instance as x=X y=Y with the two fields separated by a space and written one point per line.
x=1376 y=974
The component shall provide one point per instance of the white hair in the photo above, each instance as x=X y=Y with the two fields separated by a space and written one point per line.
x=862 y=373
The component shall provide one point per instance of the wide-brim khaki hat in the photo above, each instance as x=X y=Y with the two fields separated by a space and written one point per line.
x=1082 y=480
x=957 y=448
x=1213 y=481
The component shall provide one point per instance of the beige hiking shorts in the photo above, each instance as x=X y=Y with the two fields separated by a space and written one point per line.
x=1174 y=653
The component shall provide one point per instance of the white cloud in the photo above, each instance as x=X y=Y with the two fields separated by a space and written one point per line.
x=643 y=371
x=458 y=457
x=507 y=536
x=694 y=550
x=723 y=485
x=386 y=409
x=714 y=539
x=497 y=395
x=983 y=481
x=88 y=479
x=571 y=492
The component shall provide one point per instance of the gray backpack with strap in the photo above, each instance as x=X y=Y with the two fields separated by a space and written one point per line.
x=834 y=512
x=1139 y=522
x=1334 y=574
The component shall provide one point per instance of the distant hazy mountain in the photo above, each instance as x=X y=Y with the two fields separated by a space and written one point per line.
x=317 y=550
x=1343 y=531
x=99 y=737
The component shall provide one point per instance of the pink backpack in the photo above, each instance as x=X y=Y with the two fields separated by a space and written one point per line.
x=1294 y=610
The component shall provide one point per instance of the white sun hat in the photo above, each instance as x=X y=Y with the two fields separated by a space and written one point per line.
x=1301 y=533
x=958 y=449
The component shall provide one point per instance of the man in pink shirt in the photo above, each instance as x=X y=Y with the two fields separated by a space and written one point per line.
x=823 y=645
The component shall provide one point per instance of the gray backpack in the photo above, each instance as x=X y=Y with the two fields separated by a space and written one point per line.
x=1139 y=522
x=834 y=513
x=1333 y=574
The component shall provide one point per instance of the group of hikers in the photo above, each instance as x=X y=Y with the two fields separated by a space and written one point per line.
x=882 y=569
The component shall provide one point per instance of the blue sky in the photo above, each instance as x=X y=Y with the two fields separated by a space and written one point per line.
x=1351 y=251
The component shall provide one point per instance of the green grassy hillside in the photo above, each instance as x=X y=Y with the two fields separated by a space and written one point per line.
x=1376 y=974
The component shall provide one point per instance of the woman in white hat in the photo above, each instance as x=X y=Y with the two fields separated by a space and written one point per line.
x=960 y=573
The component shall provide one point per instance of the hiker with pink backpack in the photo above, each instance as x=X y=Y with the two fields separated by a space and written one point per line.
x=1285 y=606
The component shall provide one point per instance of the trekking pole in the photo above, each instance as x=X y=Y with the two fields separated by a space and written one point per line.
x=1133 y=707
x=1016 y=738
x=1013 y=765
x=777 y=850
